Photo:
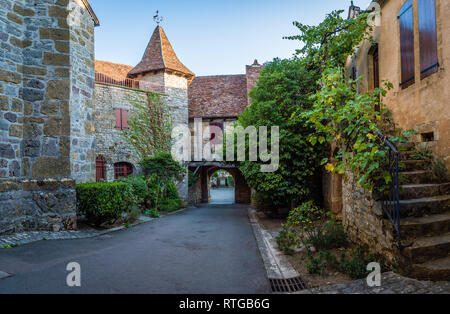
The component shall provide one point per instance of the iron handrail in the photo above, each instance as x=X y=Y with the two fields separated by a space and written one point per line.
x=391 y=198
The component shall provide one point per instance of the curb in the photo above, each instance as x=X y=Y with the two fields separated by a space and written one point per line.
x=276 y=264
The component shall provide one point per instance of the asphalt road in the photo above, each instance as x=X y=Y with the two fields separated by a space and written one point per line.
x=210 y=249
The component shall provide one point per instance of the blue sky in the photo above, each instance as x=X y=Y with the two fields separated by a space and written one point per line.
x=210 y=37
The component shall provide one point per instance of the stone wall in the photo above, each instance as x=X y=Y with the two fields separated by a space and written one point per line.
x=423 y=106
x=36 y=191
x=362 y=218
x=82 y=130
x=107 y=138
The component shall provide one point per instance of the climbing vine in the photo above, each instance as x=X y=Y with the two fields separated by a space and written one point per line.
x=340 y=114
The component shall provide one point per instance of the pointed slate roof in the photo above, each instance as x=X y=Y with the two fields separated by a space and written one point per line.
x=160 y=56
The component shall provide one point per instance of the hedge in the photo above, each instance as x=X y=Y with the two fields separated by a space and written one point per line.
x=103 y=202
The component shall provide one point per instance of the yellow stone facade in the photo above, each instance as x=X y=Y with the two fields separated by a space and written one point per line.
x=425 y=105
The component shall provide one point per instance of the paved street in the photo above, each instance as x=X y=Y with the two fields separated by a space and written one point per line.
x=222 y=196
x=210 y=249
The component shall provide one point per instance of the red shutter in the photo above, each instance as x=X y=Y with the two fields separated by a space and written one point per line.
x=406 y=20
x=124 y=119
x=427 y=37
x=100 y=168
x=118 y=118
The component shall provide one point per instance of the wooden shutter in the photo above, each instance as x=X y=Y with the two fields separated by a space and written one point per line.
x=124 y=119
x=427 y=37
x=118 y=118
x=406 y=20
x=100 y=168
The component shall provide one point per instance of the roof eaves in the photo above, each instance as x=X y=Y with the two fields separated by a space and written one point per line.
x=91 y=12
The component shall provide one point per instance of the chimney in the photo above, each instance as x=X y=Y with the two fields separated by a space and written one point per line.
x=253 y=74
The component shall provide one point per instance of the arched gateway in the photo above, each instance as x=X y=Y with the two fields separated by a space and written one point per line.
x=200 y=191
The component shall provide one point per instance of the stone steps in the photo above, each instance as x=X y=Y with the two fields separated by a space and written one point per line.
x=425 y=206
x=414 y=191
x=436 y=270
x=433 y=225
x=402 y=147
x=427 y=249
x=414 y=177
x=406 y=155
x=413 y=165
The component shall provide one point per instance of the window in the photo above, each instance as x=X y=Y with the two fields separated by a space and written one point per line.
x=122 y=170
x=100 y=168
x=406 y=22
x=427 y=37
x=376 y=66
x=216 y=138
x=121 y=119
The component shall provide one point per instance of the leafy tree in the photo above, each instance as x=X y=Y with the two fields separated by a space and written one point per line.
x=339 y=113
x=150 y=127
x=164 y=167
x=282 y=90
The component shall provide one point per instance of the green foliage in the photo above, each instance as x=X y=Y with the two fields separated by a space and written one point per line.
x=328 y=44
x=133 y=213
x=155 y=191
x=171 y=191
x=355 y=266
x=308 y=225
x=149 y=127
x=193 y=178
x=163 y=166
x=339 y=113
x=170 y=204
x=283 y=89
x=139 y=188
x=422 y=153
x=286 y=240
x=438 y=171
x=152 y=213
x=103 y=202
x=331 y=235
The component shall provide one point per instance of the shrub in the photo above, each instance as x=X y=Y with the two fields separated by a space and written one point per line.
x=163 y=166
x=193 y=178
x=170 y=204
x=438 y=171
x=262 y=203
x=171 y=191
x=152 y=213
x=422 y=153
x=286 y=241
x=155 y=191
x=331 y=235
x=139 y=188
x=133 y=213
x=103 y=202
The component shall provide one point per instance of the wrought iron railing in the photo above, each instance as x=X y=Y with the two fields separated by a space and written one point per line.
x=391 y=196
x=130 y=83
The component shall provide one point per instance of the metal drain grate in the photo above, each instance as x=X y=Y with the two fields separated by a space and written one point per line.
x=287 y=285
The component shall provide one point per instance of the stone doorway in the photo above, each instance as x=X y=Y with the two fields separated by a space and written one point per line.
x=204 y=192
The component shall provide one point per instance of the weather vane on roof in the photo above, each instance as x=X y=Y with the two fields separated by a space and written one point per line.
x=157 y=18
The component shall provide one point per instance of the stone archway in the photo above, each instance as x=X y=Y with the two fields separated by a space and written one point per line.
x=200 y=192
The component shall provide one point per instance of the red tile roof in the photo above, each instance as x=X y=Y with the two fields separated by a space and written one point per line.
x=217 y=96
x=115 y=71
x=160 y=56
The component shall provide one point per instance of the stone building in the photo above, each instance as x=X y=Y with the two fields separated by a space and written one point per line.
x=411 y=49
x=61 y=110
x=217 y=100
x=46 y=133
